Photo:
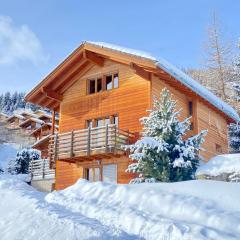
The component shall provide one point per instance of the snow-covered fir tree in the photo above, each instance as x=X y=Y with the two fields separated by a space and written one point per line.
x=21 y=163
x=164 y=153
x=10 y=102
x=234 y=128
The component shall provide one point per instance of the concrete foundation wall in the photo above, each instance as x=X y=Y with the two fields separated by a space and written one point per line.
x=43 y=185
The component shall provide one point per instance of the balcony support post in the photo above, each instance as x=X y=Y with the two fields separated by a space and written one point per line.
x=89 y=142
x=55 y=147
x=106 y=138
x=71 y=146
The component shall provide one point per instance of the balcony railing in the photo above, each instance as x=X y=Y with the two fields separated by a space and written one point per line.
x=40 y=169
x=88 y=142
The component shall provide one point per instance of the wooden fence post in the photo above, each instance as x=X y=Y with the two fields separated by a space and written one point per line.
x=89 y=142
x=71 y=146
x=106 y=138
x=55 y=147
x=43 y=168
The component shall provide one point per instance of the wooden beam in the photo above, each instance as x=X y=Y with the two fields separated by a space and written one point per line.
x=141 y=71
x=53 y=122
x=75 y=76
x=94 y=58
x=51 y=94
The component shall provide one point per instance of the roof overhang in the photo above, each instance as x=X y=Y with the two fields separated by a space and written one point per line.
x=49 y=92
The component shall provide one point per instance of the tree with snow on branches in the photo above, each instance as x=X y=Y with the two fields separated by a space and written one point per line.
x=164 y=153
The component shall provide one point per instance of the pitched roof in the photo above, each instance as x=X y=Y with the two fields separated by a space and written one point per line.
x=179 y=75
x=144 y=59
x=15 y=115
x=29 y=120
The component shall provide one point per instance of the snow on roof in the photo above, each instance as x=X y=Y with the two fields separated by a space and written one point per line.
x=41 y=140
x=17 y=116
x=45 y=124
x=226 y=163
x=33 y=120
x=178 y=74
x=4 y=114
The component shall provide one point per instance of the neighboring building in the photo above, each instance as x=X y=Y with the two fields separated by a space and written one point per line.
x=100 y=92
x=42 y=136
x=15 y=120
x=3 y=117
x=31 y=124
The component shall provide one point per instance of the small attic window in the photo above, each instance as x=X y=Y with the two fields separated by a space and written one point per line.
x=99 y=85
x=91 y=88
x=109 y=82
x=190 y=108
x=115 y=80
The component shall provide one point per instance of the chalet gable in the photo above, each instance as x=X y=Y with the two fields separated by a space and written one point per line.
x=49 y=92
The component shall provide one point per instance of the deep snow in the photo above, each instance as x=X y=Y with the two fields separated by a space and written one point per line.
x=225 y=163
x=169 y=211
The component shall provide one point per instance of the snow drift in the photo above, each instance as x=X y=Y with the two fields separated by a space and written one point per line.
x=183 y=210
x=226 y=163
x=170 y=211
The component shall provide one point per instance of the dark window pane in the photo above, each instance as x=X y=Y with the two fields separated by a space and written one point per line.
x=115 y=80
x=91 y=86
x=99 y=85
x=109 y=82
x=190 y=108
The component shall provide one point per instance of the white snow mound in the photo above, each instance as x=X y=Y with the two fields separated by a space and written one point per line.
x=184 y=210
x=226 y=163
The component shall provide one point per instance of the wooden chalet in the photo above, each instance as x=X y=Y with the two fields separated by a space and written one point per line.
x=3 y=117
x=31 y=124
x=100 y=92
x=15 y=120
x=42 y=136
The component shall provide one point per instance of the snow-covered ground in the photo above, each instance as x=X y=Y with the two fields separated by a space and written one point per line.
x=226 y=163
x=166 y=211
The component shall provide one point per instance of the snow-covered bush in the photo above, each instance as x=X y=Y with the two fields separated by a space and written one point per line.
x=21 y=163
x=163 y=153
x=234 y=137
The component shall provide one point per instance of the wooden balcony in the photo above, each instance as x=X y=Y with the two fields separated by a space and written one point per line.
x=90 y=143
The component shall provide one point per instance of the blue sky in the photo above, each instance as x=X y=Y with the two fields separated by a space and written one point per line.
x=37 y=35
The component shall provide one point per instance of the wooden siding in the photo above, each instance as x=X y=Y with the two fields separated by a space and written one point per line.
x=129 y=101
x=68 y=173
x=216 y=125
x=204 y=118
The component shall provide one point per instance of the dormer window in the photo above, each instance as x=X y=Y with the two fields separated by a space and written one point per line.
x=104 y=83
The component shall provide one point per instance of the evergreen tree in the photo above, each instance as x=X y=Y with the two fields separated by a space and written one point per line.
x=21 y=163
x=164 y=153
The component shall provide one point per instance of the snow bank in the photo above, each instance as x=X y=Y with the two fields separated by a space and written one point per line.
x=184 y=210
x=8 y=151
x=226 y=163
x=26 y=215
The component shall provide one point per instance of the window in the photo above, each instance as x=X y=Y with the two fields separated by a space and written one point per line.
x=91 y=89
x=89 y=123
x=218 y=148
x=101 y=122
x=100 y=84
x=190 y=108
x=109 y=82
x=115 y=80
x=115 y=120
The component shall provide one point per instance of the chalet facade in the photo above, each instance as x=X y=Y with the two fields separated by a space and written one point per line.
x=100 y=92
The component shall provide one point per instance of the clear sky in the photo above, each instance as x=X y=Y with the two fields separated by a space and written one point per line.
x=37 y=35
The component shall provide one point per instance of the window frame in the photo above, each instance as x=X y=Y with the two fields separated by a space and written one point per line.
x=103 y=83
